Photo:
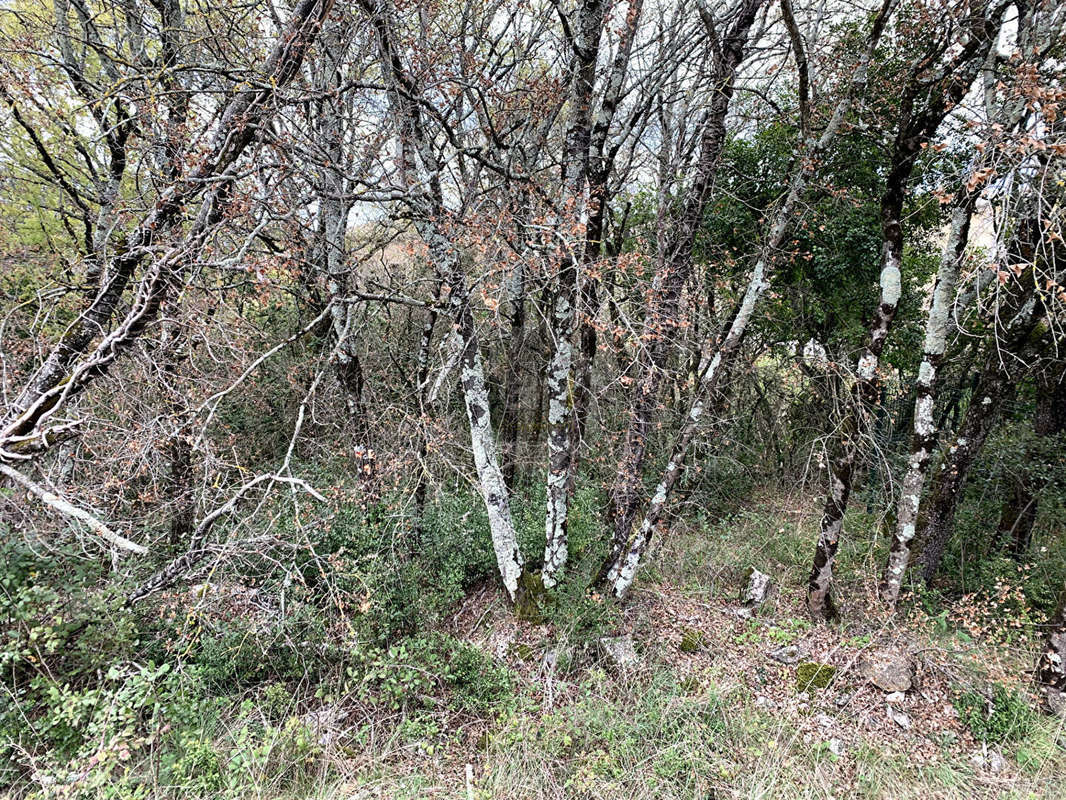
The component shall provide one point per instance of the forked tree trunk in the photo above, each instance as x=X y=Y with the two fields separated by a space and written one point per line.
x=926 y=100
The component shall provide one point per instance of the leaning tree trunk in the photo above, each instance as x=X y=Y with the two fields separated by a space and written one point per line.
x=994 y=388
x=420 y=172
x=629 y=546
x=71 y=365
x=675 y=265
x=1024 y=328
x=864 y=396
x=924 y=438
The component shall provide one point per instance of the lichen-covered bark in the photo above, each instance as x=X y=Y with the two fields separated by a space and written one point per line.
x=420 y=172
x=585 y=48
x=924 y=103
x=923 y=442
x=1019 y=330
x=672 y=272
x=993 y=390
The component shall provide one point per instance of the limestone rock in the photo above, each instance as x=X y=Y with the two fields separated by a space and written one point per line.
x=789 y=654
x=889 y=672
x=757 y=588
x=898 y=717
x=619 y=651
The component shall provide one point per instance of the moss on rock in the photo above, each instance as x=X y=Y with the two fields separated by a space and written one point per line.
x=812 y=675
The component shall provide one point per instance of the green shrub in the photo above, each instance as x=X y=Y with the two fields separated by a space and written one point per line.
x=1002 y=716
x=416 y=670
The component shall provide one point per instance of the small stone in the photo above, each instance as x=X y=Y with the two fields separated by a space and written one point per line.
x=619 y=651
x=844 y=699
x=894 y=697
x=837 y=748
x=550 y=660
x=811 y=675
x=898 y=717
x=824 y=720
x=889 y=672
x=757 y=588
x=996 y=762
x=789 y=654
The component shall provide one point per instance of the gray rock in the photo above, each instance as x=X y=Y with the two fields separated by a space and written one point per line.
x=789 y=654
x=889 y=672
x=1056 y=701
x=898 y=717
x=757 y=588
x=837 y=748
x=894 y=697
x=991 y=760
x=619 y=651
x=996 y=762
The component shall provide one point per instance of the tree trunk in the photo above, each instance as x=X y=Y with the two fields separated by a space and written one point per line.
x=661 y=314
x=924 y=438
x=585 y=47
x=629 y=546
x=925 y=102
x=1051 y=668
x=994 y=388
x=421 y=171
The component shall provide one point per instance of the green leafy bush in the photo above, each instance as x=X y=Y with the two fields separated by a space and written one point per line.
x=414 y=671
x=1002 y=716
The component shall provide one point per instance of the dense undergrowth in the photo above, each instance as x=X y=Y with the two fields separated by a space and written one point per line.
x=357 y=667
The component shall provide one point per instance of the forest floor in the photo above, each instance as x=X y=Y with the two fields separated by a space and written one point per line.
x=704 y=711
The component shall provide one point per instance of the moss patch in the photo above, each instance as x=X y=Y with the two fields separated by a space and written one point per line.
x=812 y=675
x=692 y=641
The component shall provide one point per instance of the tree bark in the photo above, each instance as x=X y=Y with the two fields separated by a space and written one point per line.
x=923 y=441
x=674 y=267
x=585 y=47
x=420 y=172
